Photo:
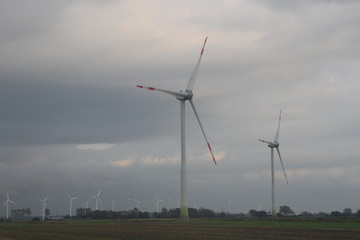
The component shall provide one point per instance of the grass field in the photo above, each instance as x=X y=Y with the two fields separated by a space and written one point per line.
x=173 y=229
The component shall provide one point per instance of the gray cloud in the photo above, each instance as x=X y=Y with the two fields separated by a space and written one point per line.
x=38 y=113
x=73 y=121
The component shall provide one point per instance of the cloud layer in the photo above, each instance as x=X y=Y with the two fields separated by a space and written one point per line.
x=72 y=120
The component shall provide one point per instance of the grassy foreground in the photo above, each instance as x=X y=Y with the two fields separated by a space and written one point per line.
x=173 y=229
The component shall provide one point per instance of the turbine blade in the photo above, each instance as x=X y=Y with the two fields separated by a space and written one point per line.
x=100 y=201
x=270 y=143
x=68 y=196
x=98 y=193
x=172 y=93
x=282 y=166
x=276 y=140
x=193 y=76
x=202 y=129
x=5 y=203
x=12 y=202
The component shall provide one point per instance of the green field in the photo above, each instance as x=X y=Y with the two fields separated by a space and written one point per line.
x=173 y=229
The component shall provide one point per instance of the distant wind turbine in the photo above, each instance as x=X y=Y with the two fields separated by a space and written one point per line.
x=127 y=204
x=7 y=202
x=43 y=207
x=157 y=203
x=228 y=206
x=86 y=204
x=114 y=205
x=182 y=96
x=138 y=204
x=71 y=199
x=272 y=145
x=97 y=200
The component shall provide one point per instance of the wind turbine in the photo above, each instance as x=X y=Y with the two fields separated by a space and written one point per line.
x=114 y=205
x=228 y=206
x=71 y=199
x=272 y=145
x=157 y=203
x=86 y=204
x=127 y=204
x=7 y=204
x=43 y=207
x=97 y=199
x=138 y=204
x=182 y=96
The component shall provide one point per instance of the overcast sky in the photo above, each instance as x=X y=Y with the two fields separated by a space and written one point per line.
x=72 y=120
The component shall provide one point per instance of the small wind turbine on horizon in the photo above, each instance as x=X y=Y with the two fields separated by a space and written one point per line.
x=97 y=200
x=114 y=205
x=127 y=204
x=228 y=206
x=7 y=202
x=183 y=96
x=158 y=200
x=272 y=145
x=138 y=204
x=43 y=207
x=86 y=204
x=71 y=199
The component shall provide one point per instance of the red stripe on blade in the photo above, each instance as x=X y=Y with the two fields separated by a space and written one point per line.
x=211 y=153
x=139 y=86
x=151 y=88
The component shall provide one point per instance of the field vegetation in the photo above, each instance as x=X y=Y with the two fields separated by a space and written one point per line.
x=166 y=229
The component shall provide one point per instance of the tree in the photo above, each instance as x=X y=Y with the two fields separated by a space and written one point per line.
x=258 y=214
x=357 y=214
x=335 y=214
x=347 y=212
x=47 y=213
x=203 y=212
x=174 y=213
x=28 y=211
x=306 y=214
x=193 y=213
x=83 y=212
x=286 y=210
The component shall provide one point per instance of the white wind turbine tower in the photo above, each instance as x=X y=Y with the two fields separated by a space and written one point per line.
x=114 y=205
x=182 y=96
x=273 y=145
x=228 y=206
x=43 y=207
x=71 y=199
x=127 y=204
x=97 y=200
x=7 y=202
x=157 y=203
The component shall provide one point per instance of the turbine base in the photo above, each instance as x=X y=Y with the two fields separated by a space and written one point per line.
x=184 y=213
x=274 y=214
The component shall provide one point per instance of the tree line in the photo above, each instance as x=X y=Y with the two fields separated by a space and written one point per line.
x=284 y=211
x=87 y=213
